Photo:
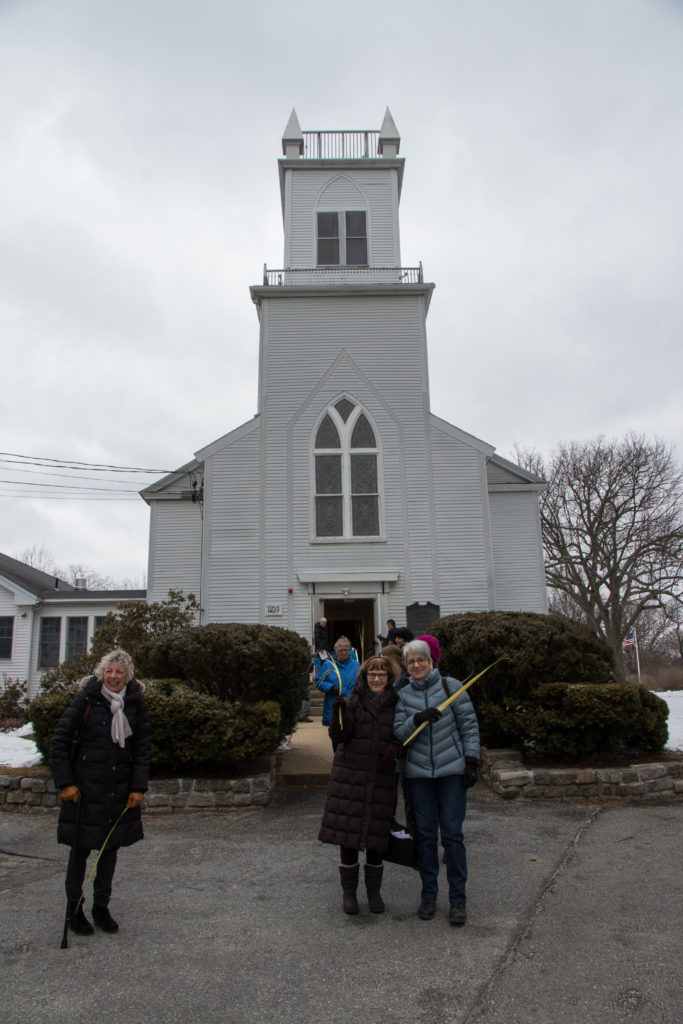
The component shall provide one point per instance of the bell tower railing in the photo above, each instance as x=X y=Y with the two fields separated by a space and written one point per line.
x=330 y=276
x=360 y=145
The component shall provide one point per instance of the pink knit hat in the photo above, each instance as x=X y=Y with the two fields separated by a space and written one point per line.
x=433 y=645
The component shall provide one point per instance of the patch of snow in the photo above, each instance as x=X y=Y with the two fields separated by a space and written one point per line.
x=674 y=699
x=17 y=752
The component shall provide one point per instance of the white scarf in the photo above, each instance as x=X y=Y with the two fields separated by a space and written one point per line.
x=119 y=723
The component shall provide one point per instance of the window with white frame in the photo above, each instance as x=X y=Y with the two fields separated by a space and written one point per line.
x=342 y=239
x=48 y=642
x=6 y=635
x=346 y=473
x=76 y=635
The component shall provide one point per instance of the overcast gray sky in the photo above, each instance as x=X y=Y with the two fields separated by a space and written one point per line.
x=139 y=200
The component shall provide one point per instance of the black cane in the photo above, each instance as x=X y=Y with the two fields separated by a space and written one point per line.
x=69 y=874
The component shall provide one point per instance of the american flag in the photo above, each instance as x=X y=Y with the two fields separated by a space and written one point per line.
x=629 y=640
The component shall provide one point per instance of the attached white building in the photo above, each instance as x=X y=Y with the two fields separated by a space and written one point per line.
x=345 y=496
x=44 y=620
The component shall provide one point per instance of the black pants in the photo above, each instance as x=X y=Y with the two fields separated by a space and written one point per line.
x=104 y=875
x=349 y=856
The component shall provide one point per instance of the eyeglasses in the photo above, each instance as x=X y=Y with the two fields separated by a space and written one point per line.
x=416 y=661
x=378 y=675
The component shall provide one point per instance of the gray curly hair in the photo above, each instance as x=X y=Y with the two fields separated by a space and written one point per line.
x=118 y=655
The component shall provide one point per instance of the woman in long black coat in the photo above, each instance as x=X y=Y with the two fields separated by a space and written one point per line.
x=362 y=789
x=99 y=776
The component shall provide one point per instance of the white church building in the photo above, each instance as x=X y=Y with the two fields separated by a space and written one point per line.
x=345 y=496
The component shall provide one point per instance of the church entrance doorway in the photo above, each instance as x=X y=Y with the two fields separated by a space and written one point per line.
x=354 y=618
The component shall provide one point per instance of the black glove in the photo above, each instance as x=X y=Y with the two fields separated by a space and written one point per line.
x=428 y=715
x=387 y=758
x=471 y=772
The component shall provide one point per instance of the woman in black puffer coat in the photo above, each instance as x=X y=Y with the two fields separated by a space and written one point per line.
x=362 y=789
x=106 y=773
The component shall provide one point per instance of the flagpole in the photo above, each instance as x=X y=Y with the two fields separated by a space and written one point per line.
x=635 y=637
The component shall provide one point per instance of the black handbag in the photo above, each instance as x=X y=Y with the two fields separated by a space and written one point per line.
x=402 y=849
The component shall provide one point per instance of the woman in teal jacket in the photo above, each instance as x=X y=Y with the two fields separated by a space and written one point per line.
x=441 y=764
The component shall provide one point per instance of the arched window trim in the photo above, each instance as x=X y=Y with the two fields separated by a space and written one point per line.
x=345 y=431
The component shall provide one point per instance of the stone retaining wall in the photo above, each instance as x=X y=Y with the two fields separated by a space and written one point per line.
x=506 y=775
x=37 y=793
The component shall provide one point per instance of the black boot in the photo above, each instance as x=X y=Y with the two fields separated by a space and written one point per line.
x=78 y=922
x=349 y=884
x=373 y=882
x=103 y=919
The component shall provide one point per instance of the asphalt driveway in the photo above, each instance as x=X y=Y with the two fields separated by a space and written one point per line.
x=574 y=916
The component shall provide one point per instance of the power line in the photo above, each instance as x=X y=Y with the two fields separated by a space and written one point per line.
x=71 y=487
x=47 y=461
x=66 y=497
x=54 y=472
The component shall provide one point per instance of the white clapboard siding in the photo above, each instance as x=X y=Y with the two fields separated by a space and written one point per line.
x=373 y=190
x=175 y=549
x=308 y=335
x=464 y=556
x=231 y=569
x=517 y=559
x=16 y=667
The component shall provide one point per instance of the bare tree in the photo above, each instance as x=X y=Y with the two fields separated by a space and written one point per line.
x=612 y=523
x=93 y=579
x=39 y=557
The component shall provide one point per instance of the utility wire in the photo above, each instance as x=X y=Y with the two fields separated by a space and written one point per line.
x=66 y=497
x=70 y=487
x=55 y=472
x=47 y=461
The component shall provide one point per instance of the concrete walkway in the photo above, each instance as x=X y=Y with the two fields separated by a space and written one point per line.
x=308 y=760
x=574 y=918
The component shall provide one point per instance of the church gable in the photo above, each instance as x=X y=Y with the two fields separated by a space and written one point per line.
x=500 y=472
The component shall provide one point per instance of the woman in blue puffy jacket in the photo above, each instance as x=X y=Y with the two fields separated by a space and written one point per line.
x=441 y=764
x=342 y=665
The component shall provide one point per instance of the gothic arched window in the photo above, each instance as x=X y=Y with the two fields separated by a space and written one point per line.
x=346 y=474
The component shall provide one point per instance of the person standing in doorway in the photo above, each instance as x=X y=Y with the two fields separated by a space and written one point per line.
x=391 y=631
x=321 y=639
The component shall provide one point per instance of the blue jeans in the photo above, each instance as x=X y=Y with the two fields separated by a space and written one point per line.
x=440 y=803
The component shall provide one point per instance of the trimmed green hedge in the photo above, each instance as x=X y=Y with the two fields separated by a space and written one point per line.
x=191 y=732
x=569 y=721
x=237 y=662
x=534 y=649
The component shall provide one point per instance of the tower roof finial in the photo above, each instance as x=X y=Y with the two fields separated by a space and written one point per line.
x=389 y=139
x=292 y=138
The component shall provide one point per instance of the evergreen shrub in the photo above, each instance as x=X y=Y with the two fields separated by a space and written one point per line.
x=44 y=713
x=534 y=649
x=237 y=662
x=191 y=732
x=13 y=702
x=566 y=722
